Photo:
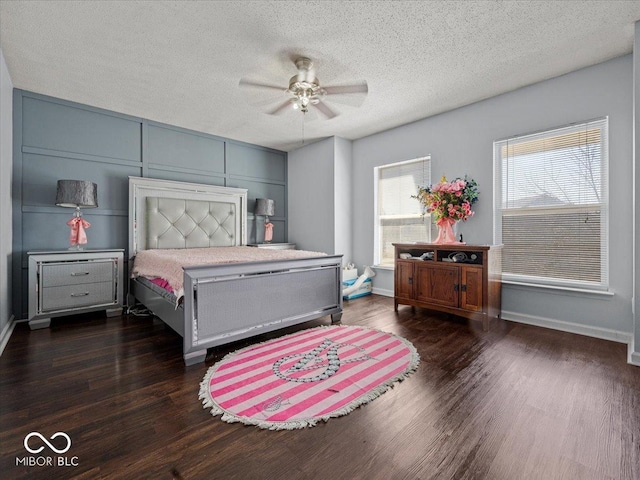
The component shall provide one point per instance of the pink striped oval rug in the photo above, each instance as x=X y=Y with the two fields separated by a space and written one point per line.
x=299 y=379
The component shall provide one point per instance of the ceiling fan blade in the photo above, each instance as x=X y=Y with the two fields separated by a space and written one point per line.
x=352 y=94
x=280 y=108
x=268 y=101
x=325 y=110
x=250 y=83
x=347 y=89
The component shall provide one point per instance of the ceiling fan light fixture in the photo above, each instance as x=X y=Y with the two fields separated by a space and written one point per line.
x=301 y=102
x=304 y=90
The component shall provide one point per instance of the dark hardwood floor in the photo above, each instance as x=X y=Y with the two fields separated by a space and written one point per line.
x=518 y=402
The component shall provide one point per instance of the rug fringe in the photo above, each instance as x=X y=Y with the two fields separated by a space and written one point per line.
x=225 y=416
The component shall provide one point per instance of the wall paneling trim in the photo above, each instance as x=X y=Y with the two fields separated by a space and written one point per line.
x=56 y=139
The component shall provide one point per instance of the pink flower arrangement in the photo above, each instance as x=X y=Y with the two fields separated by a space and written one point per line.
x=449 y=200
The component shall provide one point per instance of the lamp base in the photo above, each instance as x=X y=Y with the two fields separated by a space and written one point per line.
x=76 y=248
x=78 y=236
x=268 y=231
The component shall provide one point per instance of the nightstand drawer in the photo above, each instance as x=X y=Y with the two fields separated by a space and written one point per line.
x=74 y=296
x=75 y=273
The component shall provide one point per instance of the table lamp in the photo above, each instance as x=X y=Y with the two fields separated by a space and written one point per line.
x=266 y=207
x=77 y=194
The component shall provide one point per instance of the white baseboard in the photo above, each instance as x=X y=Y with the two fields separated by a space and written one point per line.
x=382 y=291
x=6 y=333
x=589 y=331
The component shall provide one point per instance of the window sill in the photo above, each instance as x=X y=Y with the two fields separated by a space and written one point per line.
x=559 y=290
x=383 y=267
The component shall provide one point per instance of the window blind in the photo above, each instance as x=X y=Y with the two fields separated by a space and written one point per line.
x=551 y=205
x=398 y=216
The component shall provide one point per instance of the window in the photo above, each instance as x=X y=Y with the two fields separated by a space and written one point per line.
x=398 y=216
x=551 y=204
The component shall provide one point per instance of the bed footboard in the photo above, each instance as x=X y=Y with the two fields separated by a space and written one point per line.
x=225 y=303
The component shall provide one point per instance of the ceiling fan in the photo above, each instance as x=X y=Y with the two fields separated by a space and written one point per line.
x=305 y=92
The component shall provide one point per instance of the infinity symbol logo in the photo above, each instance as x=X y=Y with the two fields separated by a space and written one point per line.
x=55 y=435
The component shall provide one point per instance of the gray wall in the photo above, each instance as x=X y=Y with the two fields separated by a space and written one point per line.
x=343 y=179
x=56 y=139
x=6 y=139
x=320 y=178
x=311 y=184
x=461 y=142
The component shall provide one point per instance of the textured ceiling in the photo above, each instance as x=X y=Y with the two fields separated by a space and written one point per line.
x=180 y=62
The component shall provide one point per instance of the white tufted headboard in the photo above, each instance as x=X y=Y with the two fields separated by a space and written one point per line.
x=168 y=214
x=179 y=223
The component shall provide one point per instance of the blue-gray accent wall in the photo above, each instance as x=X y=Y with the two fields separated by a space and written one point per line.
x=56 y=139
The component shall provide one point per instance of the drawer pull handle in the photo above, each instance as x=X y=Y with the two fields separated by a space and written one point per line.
x=80 y=294
x=77 y=274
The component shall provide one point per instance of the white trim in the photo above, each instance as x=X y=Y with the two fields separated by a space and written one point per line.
x=587 y=330
x=382 y=291
x=389 y=268
x=558 y=289
x=376 y=221
x=634 y=357
x=6 y=333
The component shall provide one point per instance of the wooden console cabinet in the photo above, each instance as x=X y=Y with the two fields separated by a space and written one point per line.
x=464 y=280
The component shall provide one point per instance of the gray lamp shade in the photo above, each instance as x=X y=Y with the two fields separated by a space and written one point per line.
x=265 y=206
x=77 y=193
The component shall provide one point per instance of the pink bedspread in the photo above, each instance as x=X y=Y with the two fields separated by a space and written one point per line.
x=168 y=264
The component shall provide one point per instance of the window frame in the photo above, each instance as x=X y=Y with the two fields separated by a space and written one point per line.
x=601 y=123
x=377 y=244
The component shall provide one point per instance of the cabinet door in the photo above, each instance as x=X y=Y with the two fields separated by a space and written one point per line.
x=404 y=279
x=437 y=283
x=471 y=288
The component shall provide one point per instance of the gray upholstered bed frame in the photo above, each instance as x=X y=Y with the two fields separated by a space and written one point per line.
x=228 y=302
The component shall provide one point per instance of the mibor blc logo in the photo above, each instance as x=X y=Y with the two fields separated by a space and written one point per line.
x=39 y=435
x=33 y=443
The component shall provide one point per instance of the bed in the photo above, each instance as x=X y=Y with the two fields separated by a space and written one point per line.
x=224 y=302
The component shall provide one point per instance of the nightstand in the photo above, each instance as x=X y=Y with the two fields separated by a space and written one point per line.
x=74 y=281
x=274 y=246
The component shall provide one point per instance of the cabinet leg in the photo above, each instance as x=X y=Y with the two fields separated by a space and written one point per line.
x=114 y=312
x=336 y=317
x=195 y=357
x=39 y=323
x=395 y=306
